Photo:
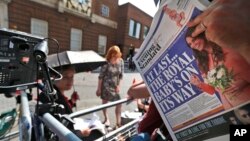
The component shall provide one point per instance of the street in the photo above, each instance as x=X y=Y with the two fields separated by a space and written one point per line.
x=86 y=85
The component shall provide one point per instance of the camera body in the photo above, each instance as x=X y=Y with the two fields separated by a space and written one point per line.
x=18 y=67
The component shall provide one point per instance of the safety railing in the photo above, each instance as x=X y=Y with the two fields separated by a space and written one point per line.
x=10 y=136
x=124 y=131
x=121 y=133
x=98 y=108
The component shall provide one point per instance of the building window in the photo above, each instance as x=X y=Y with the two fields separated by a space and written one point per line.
x=145 y=33
x=102 y=42
x=105 y=11
x=75 y=39
x=39 y=27
x=134 y=29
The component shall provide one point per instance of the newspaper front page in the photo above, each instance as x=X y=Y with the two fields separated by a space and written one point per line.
x=197 y=86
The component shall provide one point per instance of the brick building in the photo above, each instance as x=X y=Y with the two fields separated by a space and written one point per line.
x=78 y=24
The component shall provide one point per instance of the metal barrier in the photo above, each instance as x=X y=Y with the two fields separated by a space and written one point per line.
x=10 y=136
x=98 y=108
x=124 y=131
x=121 y=133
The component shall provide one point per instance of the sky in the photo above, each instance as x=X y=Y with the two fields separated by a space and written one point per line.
x=147 y=6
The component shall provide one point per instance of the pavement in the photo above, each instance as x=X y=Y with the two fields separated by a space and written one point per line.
x=86 y=84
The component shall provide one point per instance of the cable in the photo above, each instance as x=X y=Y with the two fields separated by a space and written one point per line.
x=58 y=49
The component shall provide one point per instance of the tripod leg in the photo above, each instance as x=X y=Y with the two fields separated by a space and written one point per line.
x=25 y=124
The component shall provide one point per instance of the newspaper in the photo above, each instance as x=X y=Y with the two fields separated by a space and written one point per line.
x=197 y=86
x=92 y=123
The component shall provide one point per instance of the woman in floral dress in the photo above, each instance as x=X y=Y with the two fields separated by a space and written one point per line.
x=109 y=82
x=223 y=70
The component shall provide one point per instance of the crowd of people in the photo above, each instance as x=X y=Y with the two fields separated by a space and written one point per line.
x=222 y=29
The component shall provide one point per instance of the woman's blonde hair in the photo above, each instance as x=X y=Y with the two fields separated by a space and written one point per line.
x=113 y=51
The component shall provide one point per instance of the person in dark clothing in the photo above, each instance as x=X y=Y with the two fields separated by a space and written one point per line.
x=152 y=120
x=61 y=86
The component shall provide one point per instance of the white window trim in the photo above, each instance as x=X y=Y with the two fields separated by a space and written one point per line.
x=105 y=10
x=102 y=44
x=131 y=27
x=40 y=24
x=77 y=32
x=134 y=29
x=4 y=21
x=145 y=31
x=138 y=29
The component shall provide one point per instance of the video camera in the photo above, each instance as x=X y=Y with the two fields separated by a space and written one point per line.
x=19 y=55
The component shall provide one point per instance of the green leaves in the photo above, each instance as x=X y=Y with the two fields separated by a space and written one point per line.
x=220 y=77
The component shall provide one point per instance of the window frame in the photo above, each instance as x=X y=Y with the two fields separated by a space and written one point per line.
x=145 y=31
x=39 y=27
x=102 y=44
x=73 y=33
x=105 y=10
x=134 y=29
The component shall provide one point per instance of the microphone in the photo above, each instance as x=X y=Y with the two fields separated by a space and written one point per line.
x=41 y=51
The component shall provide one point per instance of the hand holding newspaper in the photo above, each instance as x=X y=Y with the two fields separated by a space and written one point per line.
x=196 y=85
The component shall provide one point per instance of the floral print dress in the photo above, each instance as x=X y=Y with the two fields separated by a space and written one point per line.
x=111 y=75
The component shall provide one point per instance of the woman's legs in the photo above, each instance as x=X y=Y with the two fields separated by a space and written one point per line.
x=118 y=109
x=106 y=118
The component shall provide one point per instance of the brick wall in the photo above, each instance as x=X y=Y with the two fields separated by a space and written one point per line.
x=112 y=4
x=59 y=24
x=127 y=12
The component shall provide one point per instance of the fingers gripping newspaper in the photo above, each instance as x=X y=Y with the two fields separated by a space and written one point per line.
x=197 y=86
